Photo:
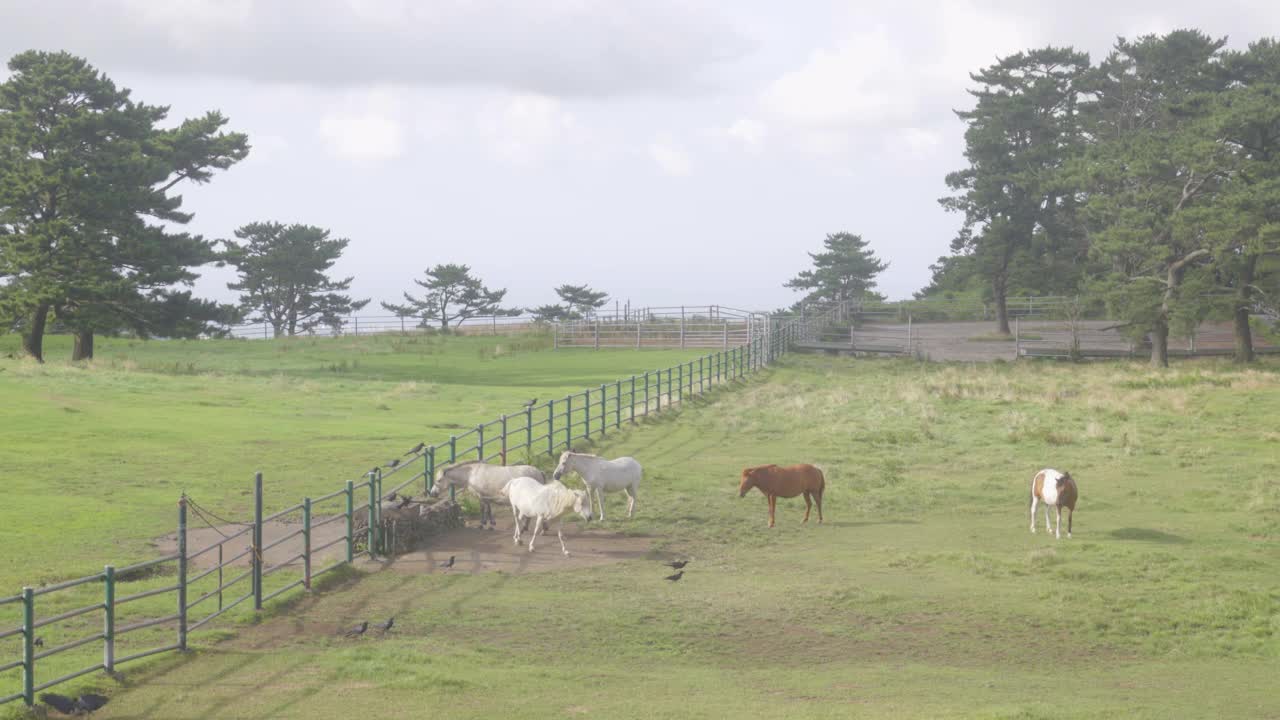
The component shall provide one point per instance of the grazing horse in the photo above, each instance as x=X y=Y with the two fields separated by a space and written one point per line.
x=775 y=482
x=487 y=482
x=1056 y=489
x=603 y=476
x=530 y=499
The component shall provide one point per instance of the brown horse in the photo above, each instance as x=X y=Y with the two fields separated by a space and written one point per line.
x=787 y=482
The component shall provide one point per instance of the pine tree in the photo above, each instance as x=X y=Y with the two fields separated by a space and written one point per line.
x=845 y=270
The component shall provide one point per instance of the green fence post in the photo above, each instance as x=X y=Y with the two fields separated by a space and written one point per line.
x=306 y=543
x=257 y=541
x=528 y=429
x=504 y=438
x=617 y=404
x=586 y=418
x=646 y=392
x=604 y=410
x=182 y=573
x=551 y=428
x=430 y=467
x=453 y=458
x=633 y=400
x=351 y=525
x=372 y=514
x=28 y=646
x=480 y=443
x=658 y=391
x=568 y=422
x=680 y=382
x=109 y=619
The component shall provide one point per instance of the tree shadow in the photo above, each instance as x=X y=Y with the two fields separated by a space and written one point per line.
x=1148 y=535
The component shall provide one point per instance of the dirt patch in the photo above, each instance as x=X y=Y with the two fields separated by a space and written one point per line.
x=477 y=551
x=480 y=551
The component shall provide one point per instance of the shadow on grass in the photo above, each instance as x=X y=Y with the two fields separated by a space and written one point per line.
x=1147 y=535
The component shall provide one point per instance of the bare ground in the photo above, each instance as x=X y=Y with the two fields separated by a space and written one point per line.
x=477 y=551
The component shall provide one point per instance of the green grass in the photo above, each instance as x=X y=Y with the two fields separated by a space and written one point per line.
x=922 y=596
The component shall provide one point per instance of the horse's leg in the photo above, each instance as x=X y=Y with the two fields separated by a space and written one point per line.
x=1071 y=513
x=631 y=501
x=1033 y=514
x=773 y=503
x=1057 y=531
x=1048 y=526
x=808 y=504
x=537 y=527
x=600 y=497
x=516 y=515
x=560 y=534
x=817 y=498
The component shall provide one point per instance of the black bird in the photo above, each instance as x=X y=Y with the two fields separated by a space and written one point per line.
x=61 y=703
x=358 y=630
x=676 y=577
x=90 y=702
x=384 y=627
x=448 y=563
x=404 y=501
x=392 y=464
x=677 y=564
x=531 y=403
x=38 y=642
x=416 y=449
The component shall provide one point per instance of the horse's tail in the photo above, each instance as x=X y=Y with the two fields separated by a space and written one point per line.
x=822 y=480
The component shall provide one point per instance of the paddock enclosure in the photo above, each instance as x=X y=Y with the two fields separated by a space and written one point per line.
x=922 y=595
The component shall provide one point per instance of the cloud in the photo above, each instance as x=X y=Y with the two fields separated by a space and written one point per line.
x=671 y=159
x=367 y=128
x=519 y=128
x=750 y=133
x=554 y=47
x=918 y=142
x=856 y=83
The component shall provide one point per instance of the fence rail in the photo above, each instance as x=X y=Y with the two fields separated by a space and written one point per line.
x=545 y=428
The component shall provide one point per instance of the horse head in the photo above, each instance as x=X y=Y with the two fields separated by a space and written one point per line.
x=1063 y=480
x=748 y=481
x=562 y=468
x=442 y=482
x=582 y=504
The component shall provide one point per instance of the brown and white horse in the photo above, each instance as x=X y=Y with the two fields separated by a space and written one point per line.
x=1056 y=489
x=775 y=482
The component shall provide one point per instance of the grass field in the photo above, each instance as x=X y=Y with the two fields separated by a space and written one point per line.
x=922 y=596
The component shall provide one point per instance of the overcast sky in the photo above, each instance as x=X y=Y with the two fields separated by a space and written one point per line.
x=666 y=151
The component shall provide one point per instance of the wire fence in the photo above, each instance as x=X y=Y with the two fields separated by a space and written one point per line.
x=166 y=600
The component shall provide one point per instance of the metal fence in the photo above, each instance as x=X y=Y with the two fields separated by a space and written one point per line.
x=708 y=326
x=191 y=601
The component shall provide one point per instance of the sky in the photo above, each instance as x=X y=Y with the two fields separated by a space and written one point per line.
x=668 y=152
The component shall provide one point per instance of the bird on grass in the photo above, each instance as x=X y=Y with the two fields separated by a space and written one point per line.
x=676 y=577
x=38 y=642
x=85 y=704
x=531 y=403
x=448 y=563
x=358 y=630
x=386 y=626
x=676 y=564
x=416 y=449
x=392 y=464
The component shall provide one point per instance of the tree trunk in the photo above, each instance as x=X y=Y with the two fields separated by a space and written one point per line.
x=33 y=339
x=1160 y=343
x=1243 y=333
x=1002 y=307
x=83 y=348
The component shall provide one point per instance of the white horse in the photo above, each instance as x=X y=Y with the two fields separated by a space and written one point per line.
x=530 y=499
x=487 y=482
x=603 y=476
